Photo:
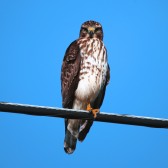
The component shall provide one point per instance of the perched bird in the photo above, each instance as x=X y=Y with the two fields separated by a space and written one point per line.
x=85 y=74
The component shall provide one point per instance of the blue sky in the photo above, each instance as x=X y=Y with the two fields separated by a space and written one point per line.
x=33 y=38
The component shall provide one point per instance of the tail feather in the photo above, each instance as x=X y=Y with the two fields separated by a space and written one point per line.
x=75 y=129
x=71 y=135
x=69 y=142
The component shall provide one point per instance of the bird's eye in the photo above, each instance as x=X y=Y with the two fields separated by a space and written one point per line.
x=85 y=29
x=98 y=29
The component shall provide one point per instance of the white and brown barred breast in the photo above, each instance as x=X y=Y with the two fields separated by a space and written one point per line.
x=93 y=70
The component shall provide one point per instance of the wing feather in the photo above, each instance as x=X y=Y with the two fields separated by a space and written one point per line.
x=70 y=74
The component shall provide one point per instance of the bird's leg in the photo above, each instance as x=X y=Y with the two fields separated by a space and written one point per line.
x=93 y=111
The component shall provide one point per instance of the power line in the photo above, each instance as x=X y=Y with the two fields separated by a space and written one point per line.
x=81 y=114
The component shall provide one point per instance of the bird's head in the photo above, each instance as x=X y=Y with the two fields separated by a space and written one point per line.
x=91 y=29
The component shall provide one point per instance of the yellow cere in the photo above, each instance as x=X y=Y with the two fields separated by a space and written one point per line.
x=91 y=28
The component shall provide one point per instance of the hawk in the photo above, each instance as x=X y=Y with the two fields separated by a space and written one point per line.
x=85 y=74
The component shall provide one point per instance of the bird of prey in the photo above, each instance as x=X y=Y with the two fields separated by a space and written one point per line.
x=85 y=74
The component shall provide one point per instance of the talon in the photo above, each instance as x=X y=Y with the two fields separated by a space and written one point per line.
x=89 y=108
x=93 y=111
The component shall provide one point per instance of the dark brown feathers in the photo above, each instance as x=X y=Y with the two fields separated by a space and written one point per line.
x=70 y=74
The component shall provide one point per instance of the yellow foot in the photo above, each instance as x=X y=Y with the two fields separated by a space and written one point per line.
x=93 y=111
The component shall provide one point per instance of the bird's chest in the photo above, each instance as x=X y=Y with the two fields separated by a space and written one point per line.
x=93 y=62
x=93 y=69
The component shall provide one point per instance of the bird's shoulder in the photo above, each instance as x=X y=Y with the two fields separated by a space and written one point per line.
x=72 y=51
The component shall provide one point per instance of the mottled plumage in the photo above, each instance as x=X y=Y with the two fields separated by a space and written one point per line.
x=84 y=76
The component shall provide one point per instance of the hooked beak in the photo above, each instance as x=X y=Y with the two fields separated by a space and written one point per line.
x=91 y=31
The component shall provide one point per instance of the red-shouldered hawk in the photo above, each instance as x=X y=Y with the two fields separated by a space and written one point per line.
x=84 y=77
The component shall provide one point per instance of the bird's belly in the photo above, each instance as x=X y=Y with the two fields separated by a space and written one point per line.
x=88 y=88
